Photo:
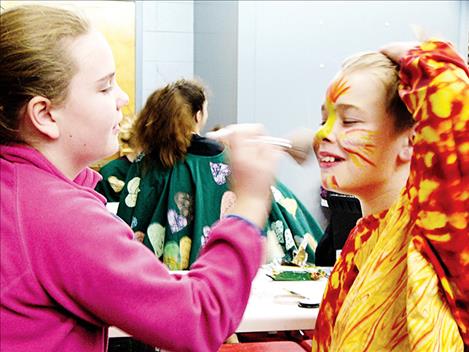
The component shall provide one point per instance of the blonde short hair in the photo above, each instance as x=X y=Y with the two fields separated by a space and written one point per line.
x=387 y=72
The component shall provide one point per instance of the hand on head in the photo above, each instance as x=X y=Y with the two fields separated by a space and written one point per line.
x=395 y=51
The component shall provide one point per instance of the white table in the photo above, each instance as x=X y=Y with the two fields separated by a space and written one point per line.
x=272 y=308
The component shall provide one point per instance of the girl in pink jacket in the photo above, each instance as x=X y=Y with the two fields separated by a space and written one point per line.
x=70 y=269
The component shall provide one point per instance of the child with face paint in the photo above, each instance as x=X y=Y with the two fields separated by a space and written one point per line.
x=401 y=282
x=363 y=147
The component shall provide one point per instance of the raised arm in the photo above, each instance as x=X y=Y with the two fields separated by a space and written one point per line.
x=435 y=88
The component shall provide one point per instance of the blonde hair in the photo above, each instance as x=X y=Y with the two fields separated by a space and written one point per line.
x=163 y=129
x=388 y=73
x=34 y=60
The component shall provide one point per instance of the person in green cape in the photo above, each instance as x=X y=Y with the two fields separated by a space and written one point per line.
x=178 y=186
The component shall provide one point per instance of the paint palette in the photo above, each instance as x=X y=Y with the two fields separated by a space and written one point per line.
x=286 y=273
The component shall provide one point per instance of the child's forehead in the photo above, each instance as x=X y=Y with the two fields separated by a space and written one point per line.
x=355 y=92
x=355 y=83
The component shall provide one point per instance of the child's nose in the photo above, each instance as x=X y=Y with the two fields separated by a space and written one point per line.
x=327 y=133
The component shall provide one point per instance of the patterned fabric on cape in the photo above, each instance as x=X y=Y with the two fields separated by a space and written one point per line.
x=402 y=281
x=293 y=225
x=114 y=174
x=172 y=210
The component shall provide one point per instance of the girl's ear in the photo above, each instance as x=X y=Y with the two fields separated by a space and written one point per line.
x=406 y=151
x=38 y=112
x=198 y=116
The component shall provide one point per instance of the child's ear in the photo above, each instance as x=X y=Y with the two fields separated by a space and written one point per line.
x=406 y=151
x=198 y=116
x=38 y=112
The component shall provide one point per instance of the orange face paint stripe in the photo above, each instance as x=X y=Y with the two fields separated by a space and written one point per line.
x=336 y=89
x=364 y=158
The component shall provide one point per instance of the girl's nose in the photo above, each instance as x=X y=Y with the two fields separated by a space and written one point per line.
x=122 y=98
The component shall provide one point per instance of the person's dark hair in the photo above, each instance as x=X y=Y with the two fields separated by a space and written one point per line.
x=163 y=129
x=388 y=73
x=34 y=60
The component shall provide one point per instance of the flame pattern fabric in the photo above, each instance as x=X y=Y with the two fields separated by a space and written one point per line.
x=402 y=283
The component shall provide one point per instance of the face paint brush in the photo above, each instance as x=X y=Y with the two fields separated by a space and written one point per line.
x=280 y=142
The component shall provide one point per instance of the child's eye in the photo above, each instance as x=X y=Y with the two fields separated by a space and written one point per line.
x=348 y=122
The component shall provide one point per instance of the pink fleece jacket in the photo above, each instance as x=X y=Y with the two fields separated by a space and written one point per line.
x=70 y=269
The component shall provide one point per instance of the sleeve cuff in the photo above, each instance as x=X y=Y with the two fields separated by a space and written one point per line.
x=234 y=216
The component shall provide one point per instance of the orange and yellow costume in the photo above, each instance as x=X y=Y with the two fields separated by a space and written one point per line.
x=402 y=281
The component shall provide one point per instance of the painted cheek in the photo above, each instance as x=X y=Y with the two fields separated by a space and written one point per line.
x=360 y=145
x=330 y=182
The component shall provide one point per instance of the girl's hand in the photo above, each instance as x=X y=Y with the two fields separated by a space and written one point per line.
x=253 y=164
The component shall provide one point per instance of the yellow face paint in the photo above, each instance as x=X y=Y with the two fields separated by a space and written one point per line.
x=330 y=182
x=336 y=89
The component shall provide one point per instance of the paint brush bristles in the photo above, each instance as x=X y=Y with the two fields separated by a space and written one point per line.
x=281 y=142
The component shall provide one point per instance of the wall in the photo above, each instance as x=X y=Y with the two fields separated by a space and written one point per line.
x=165 y=44
x=189 y=39
x=216 y=57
